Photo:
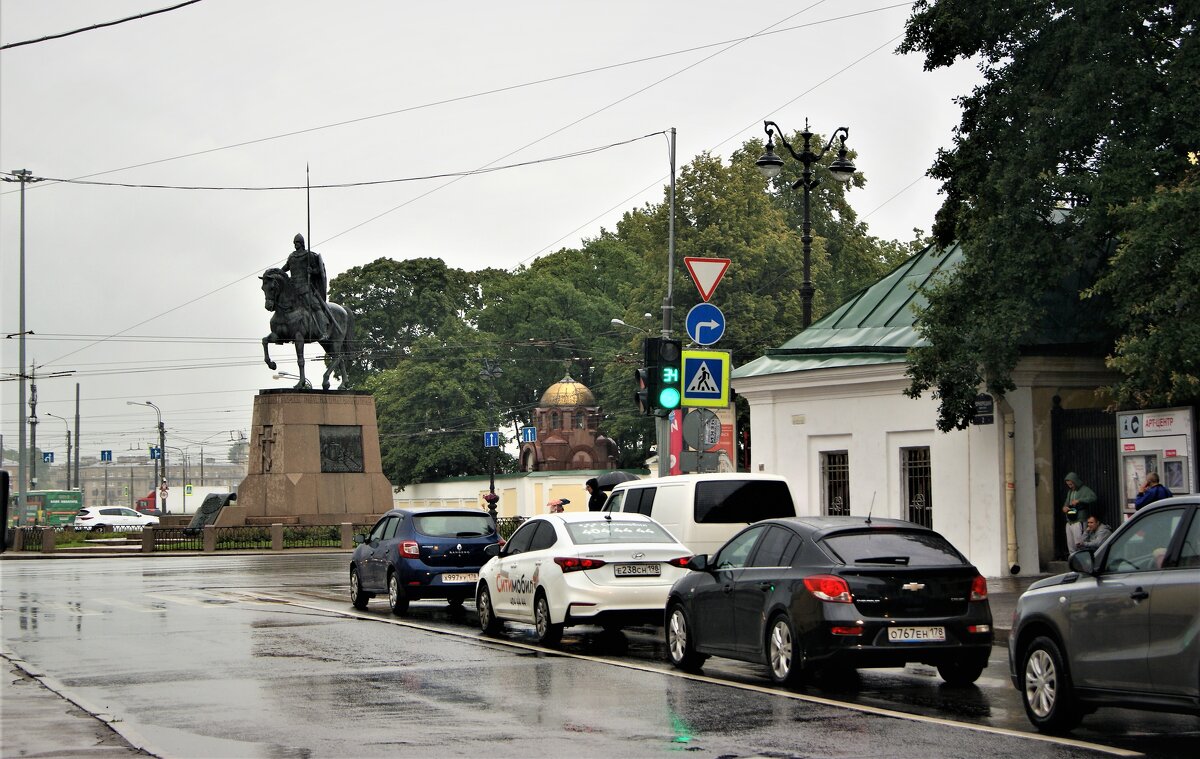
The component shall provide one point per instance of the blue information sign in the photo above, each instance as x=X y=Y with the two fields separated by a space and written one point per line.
x=705 y=324
x=155 y=452
x=491 y=440
x=47 y=457
x=529 y=434
x=106 y=455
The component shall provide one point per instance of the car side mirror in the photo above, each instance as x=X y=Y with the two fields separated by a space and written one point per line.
x=492 y=549
x=1082 y=562
x=359 y=539
x=698 y=563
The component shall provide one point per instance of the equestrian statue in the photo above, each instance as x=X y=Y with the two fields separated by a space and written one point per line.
x=296 y=294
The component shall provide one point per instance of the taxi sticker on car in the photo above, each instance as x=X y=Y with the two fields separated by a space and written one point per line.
x=460 y=577
x=637 y=570
x=916 y=634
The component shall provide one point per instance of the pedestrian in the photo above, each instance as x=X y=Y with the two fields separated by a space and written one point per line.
x=1094 y=534
x=1151 y=490
x=1075 y=507
x=597 y=499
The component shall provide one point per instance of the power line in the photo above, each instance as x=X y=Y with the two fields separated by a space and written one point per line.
x=98 y=26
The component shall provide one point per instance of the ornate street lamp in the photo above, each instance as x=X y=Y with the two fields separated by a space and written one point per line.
x=491 y=372
x=842 y=170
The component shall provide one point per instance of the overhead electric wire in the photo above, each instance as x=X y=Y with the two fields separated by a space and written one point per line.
x=60 y=35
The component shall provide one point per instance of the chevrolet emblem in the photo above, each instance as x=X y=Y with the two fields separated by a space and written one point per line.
x=913 y=586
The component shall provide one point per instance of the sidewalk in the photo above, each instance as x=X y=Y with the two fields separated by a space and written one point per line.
x=37 y=721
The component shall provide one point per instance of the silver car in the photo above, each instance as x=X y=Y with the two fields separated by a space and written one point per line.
x=1122 y=628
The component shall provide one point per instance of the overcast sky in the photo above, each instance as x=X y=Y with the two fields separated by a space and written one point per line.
x=152 y=294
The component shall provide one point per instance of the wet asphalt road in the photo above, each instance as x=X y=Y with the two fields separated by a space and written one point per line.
x=262 y=656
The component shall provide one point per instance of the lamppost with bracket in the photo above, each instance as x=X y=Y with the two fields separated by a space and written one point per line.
x=842 y=169
x=162 y=447
x=491 y=371
x=286 y=375
x=68 y=426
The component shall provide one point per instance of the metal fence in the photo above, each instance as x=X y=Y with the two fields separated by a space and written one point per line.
x=176 y=539
x=506 y=526
x=312 y=536
x=242 y=538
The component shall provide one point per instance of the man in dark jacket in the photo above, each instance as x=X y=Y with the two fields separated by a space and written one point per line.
x=1151 y=490
x=1075 y=507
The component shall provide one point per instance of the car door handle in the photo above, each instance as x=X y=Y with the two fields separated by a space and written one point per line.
x=765 y=587
x=1139 y=595
x=727 y=587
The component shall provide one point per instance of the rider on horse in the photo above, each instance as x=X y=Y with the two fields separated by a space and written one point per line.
x=307 y=273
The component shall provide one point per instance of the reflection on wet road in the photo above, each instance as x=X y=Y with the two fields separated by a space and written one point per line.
x=264 y=656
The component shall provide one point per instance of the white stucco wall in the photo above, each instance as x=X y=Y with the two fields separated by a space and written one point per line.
x=863 y=410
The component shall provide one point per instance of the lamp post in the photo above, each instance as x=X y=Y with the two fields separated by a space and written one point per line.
x=841 y=168
x=162 y=447
x=491 y=371
x=68 y=426
x=286 y=375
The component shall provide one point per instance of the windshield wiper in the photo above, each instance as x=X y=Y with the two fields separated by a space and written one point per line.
x=897 y=560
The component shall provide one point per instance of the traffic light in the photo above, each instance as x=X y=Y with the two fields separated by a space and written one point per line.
x=662 y=357
x=641 y=392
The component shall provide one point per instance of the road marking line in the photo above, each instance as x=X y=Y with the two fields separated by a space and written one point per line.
x=876 y=710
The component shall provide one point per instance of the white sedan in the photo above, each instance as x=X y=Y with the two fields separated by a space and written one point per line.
x=589 y=568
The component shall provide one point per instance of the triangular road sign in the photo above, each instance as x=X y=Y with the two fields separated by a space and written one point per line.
x=706 y=273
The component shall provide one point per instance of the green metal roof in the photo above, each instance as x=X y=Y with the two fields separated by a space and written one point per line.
x=873 y=327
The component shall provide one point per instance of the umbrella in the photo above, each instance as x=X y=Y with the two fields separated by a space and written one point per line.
x=609 y=480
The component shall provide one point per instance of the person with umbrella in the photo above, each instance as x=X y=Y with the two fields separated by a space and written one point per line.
x=596 y=497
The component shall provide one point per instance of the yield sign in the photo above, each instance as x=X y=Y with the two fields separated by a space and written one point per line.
x=706 y=273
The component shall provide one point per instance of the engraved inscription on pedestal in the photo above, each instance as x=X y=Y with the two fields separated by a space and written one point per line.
x=341 y=448
x=267 y=442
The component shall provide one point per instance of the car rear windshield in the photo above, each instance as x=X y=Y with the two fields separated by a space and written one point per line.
x=880 y=547
x=742 y=501
x=454 y=525
x=604 y=531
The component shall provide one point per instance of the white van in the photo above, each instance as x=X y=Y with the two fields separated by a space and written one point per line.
x=704 y=510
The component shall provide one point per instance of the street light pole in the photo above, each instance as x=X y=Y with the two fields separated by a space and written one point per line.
x=162 y=448
x=841 y=168
x=491 y=371
x=68 y=426
x=24 y=176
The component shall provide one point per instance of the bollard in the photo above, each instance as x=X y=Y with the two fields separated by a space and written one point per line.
x=276 y=537
x=48 y=539
x=18 y=539
x=210 y=538
x=347 y=535
x=148 y=539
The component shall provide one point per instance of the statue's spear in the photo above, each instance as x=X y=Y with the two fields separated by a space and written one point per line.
x=308 y=205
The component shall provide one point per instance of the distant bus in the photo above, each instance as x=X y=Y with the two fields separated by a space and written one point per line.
x=46 y=507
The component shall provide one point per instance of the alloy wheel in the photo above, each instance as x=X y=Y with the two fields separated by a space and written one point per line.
x=1041 y=683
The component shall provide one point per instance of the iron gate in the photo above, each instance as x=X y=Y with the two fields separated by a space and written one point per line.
x=1085 y=442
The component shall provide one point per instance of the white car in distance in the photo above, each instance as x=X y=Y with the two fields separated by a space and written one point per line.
x=589 y=568
x=111 y=519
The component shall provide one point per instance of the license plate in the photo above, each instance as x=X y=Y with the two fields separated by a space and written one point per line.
x=916 y=634
x=460 y=577
x=637 y=570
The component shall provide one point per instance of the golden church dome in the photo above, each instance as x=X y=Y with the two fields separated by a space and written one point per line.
x=568 y=392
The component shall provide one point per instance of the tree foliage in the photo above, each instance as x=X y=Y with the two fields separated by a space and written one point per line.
x=425 y=329
x=1078 y=136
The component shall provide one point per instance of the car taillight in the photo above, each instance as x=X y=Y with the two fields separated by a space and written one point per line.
x=829 y=588
x=979 y=589
x=574 y=564
x=409 y=549
x=83 y=516
x=847 y=629
x=680 y=562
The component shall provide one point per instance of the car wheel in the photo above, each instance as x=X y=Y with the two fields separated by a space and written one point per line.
x=100 y=528
x=488 y=622
x=961 y=671
x=785 y=658
x=396 y=595
x=548 y=633
x=357 y=597
x=1046 y=689
x=681 y=646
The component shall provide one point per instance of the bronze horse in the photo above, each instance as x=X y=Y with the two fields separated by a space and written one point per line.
x=287 y=325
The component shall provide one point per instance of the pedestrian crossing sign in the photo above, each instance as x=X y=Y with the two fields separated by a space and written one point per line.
x=705 y=378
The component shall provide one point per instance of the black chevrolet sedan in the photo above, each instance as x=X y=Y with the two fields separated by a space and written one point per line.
x=421 y=553
x=803 y=593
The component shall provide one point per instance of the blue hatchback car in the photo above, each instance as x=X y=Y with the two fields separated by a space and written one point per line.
x=421 y=553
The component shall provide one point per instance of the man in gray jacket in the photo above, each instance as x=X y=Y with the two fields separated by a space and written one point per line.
x=1096 y=533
